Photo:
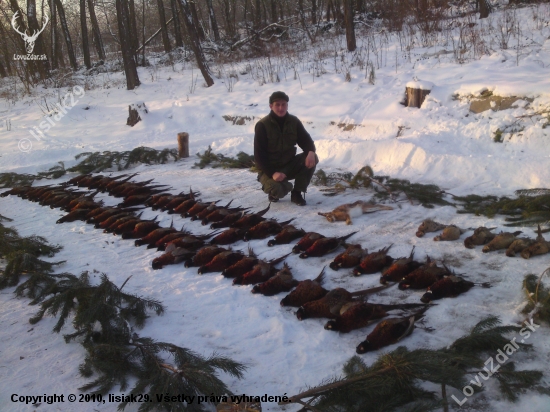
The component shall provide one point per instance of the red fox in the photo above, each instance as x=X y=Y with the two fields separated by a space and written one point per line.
x=349 y=210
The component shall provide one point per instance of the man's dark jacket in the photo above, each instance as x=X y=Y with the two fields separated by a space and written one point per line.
x=275 y=141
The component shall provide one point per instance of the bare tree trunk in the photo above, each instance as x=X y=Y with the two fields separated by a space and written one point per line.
x=303 y=20
x=195 y=42
x=273 y=11
x=313 y=12
x=257 y=15
x=128 y=54
x=163 y=28
x=132 y=20
x=43 y=66
x=53 y=38
x=213 y=21
x=177 y=23
x=196 y=21
x=84 y=29
x=66 y=33
x=95 y=29
x=350 y=29
x=5 y=51
x=483 y=9
x=229 y=26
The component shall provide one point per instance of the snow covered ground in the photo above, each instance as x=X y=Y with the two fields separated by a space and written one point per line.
x=441 y=143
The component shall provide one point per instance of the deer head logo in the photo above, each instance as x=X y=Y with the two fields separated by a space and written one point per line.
x=29 y=40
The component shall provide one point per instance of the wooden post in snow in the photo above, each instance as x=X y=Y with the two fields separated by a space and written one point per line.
x=183 y=144
x=416 y=92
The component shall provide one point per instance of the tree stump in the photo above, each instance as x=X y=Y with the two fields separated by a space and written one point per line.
x=183 y=144
x=416 y=92
x=134 y=111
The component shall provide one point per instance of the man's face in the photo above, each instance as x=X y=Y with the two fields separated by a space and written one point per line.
x=279 y=107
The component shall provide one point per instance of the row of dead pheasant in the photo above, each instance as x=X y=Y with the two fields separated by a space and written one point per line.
x=309 y=295
x=513 y=244
x=181 y=246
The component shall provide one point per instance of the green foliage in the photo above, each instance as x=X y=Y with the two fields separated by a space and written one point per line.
x=426 y=195
x=104 y=303
x=104 y=319
x=393 y=381
x=209 y=158
x=53 y=172
x=16 y=179
x=497 y=136
x=22 y=256
x=95 y=162
x=529 y=208
x=538 y=298
x=384 y=186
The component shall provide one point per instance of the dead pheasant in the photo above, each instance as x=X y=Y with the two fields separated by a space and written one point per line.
x=172 y=256
x=242 y=266
x=306 y=291
x=78 y=214
x=191 y=242
x=482 y=236
x=387 y=332
x=200 y=206
x=399 y=269
x=262 y=271
x=248 y=221
x=265 y=229
x=374 y=262
x=355 y=315
x=141 y=229
x=448 y=287
x=351 y=257
x=228 y=236
x=130 y=226
x=176 y=201
x=206 y=211
x=306 y=241
x=283 y=281
x=221 y=262
x=424 y=276
x=287 y=235
x=518 y=245
x=451 y=232
x=325 y=245
x=185 y=206
x=204 y=255
x=228 y=220
x=540 y=247
x=326 y=307
x=429 y=225
x=155 y=235
x=500 y=241
x=221 y=213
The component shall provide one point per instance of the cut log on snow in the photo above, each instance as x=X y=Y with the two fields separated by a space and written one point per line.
x=135 y=111
x=183 y=144
x=416 y=92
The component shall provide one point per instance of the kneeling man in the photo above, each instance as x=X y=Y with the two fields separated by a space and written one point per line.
x=275 y=140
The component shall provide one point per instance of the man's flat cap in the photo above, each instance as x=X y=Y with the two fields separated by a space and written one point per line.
x=278 y=96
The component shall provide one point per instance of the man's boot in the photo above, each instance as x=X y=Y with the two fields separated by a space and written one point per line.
x=296 y=197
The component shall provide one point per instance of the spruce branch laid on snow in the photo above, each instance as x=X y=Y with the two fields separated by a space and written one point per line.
x=22 y=256
x=393 y=381
x=104 y=319
x=209 y=158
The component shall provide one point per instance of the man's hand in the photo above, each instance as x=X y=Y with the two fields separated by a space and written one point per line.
x=310 y=160
x=278 y=176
